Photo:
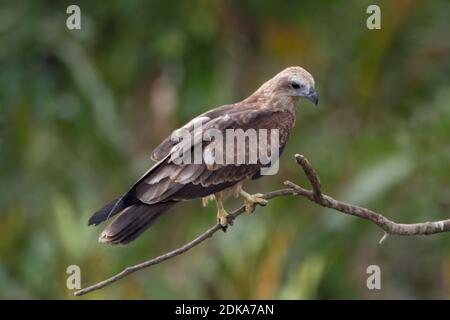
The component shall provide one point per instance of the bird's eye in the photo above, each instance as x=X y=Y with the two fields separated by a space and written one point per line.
x=296 y=85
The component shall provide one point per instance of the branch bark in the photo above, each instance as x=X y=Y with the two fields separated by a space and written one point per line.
x=315 y=195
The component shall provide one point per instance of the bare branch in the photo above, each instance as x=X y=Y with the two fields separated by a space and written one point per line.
x=314 y=195
x=311 y=175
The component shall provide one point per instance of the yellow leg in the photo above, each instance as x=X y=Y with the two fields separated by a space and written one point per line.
x=221 y=212
x=251 y=200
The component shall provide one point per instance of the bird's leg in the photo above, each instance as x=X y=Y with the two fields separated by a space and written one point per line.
x=222 y=214
x=251 y=200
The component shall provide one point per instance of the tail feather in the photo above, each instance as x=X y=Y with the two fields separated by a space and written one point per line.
x=112 y=208
x=132 y=222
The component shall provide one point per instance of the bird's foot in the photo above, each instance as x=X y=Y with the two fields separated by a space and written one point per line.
x=223 y=219
x=251 y=200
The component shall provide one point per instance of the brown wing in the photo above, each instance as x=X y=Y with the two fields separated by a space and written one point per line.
x=210 y=118
x=167 y=182
x=170 y=181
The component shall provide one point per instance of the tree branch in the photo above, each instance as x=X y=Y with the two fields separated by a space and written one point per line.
x=315 y=195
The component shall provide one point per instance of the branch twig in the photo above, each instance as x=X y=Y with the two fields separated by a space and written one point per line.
x=314 y=195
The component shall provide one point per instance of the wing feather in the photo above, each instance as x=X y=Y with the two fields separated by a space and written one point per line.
x=172 y=181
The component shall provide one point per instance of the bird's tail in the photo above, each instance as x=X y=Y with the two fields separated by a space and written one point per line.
x=132 y=221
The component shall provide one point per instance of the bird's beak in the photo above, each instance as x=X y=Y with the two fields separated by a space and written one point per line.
x=313 y=97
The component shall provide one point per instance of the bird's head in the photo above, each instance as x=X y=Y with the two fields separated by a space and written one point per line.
x=292 y=82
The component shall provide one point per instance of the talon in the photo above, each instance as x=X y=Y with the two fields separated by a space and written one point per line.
x=222 y=218
x=252 y=200
x=225 y=228
x=222 y=214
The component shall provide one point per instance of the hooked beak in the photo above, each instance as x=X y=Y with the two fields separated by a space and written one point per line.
x=313 y=97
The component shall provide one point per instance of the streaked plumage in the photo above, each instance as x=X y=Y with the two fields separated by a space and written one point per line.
x=272 y=106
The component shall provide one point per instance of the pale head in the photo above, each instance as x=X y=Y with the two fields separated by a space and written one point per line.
x=292 y=82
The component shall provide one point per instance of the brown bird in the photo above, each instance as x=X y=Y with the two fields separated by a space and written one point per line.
x=168 y=182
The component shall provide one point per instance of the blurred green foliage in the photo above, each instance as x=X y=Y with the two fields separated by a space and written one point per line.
x=81 y=110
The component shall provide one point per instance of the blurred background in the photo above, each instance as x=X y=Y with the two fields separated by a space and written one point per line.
x=81 y=111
